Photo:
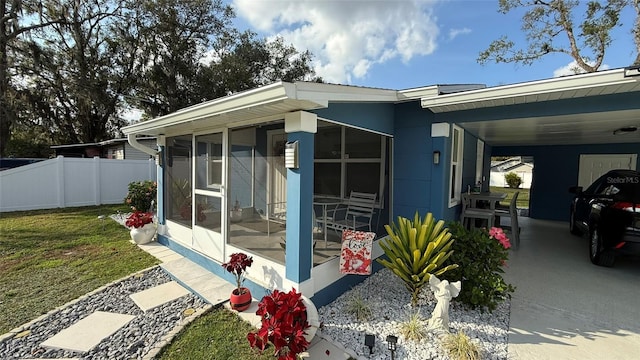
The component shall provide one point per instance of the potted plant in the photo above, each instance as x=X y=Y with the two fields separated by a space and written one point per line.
x=142 y=227
x=141 y=195
x=240 y=298
x=289 y=322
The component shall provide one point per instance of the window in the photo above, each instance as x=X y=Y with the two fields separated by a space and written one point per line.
x=455 y=180
x=348 y=159
x=178 y=182
x=209 y=161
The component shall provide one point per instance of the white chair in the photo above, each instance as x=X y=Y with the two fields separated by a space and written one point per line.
x=512 y=213
x=470 y=214
x=357 y=214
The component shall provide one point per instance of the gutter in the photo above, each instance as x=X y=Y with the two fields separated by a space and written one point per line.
x=133 y=141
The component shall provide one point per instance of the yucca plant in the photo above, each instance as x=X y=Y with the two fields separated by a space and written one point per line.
x=416 y=249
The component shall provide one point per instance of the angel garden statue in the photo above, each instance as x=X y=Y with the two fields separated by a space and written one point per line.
x=444 y=292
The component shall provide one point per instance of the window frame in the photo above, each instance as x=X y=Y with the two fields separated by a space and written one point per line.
x=343 y=160
x=455 y=165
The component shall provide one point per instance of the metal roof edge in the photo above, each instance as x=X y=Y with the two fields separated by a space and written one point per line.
x=254 y=97
x=573 y=82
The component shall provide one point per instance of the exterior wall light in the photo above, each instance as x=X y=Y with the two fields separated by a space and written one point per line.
x=436 y=157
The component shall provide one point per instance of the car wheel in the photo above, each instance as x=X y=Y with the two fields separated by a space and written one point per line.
x=597 y=254
x=572 y=223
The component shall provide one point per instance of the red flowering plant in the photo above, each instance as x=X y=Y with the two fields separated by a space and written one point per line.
x=138 y=219
x=284 y=325
x=237 y=265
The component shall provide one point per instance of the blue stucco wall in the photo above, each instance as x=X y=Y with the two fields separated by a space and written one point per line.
x=412 y=161
x=555 y=170
x=372 y=116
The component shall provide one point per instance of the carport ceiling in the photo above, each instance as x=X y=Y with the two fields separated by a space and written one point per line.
x=591 y=128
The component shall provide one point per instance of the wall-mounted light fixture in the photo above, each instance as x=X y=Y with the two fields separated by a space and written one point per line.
x=291 y=155
x=436 y=157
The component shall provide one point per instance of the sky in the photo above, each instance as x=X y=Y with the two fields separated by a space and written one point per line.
x=402 y=44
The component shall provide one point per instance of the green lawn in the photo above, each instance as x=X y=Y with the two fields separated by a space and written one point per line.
x=219 y=334
x=523 y=197
x=49 y=257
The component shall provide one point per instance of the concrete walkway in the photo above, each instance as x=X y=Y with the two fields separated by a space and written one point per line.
x=566 y=308
x=216 y=291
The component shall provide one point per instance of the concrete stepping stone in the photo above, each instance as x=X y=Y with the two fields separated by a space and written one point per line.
x=88 y=332
x=158 y=295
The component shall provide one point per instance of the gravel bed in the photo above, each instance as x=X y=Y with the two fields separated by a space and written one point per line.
x=390 y=305
x=133 y=341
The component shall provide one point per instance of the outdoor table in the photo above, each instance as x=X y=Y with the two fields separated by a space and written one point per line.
x=325 y=202
x=491 y=197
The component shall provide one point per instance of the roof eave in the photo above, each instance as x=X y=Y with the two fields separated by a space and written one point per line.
x=527 y=90
x=255 y=97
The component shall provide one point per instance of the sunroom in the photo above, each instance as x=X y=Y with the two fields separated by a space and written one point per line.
x=226 y=187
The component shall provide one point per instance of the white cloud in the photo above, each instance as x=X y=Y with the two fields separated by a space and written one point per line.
x=572 y=68
x=453 y=33
x=347 y=38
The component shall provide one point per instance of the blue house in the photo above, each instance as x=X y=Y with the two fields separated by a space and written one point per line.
x=225 y=186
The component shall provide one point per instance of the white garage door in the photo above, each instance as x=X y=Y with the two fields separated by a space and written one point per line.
x=594 y=166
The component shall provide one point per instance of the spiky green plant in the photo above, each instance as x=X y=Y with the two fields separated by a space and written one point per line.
x=415 y=250
x=414 y=329
x=357 y=307
x=460 y=347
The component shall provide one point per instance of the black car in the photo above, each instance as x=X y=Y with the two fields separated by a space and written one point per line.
x=609 y=211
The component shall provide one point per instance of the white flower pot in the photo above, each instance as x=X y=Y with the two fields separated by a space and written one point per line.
x=144 y=234
x=312 y=318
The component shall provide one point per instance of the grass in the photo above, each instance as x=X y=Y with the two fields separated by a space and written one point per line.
x=523 y=198
x=413 y=329
x=219 y=334
x=461 y=347
x=357 y=307
x=49 y=257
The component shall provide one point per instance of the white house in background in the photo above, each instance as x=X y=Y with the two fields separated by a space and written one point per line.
x=521 y=165
x=118 y=149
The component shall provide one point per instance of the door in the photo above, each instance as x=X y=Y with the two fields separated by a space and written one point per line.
x=594 y=166
x=209 y=208
x=277 y=189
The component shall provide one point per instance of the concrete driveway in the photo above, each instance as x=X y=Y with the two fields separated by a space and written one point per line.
x=566 y=308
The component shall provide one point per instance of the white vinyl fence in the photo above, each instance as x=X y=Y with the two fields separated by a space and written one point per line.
x=68 y=182
x=497 y=179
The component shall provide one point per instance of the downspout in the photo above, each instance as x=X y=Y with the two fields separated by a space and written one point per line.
x=133 y=141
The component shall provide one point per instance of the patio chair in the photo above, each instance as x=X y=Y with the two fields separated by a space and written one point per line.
x=276 y=212
x=512 y=213
x=470 y=214
x=357 y=214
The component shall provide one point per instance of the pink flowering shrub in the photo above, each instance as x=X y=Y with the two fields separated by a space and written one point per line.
x=498 y=234
x=481 y=255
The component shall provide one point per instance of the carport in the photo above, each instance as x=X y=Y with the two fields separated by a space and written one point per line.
x=564 y=307
x=555 y=121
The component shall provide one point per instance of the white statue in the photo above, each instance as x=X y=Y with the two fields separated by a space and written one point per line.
x=443 y=292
